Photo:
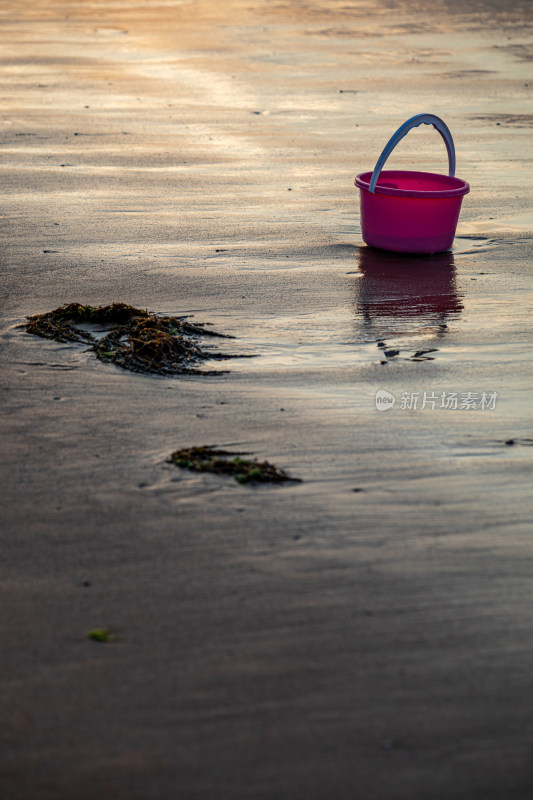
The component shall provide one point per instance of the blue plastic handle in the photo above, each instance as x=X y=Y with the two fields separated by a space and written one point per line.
x=414 y=122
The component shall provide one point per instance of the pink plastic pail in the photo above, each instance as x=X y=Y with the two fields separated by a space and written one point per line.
x=411 y=212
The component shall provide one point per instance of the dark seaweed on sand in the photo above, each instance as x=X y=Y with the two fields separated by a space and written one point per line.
x=224 y=462
x=135 y=339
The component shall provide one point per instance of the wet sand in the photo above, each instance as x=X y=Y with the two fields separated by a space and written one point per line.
x=365 y=633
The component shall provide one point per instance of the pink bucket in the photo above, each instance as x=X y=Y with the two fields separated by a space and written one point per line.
x=411 y=212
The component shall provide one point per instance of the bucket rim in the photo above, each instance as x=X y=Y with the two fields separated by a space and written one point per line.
x=459 y=187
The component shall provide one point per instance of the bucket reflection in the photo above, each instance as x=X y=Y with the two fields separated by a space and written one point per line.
x=397 y=292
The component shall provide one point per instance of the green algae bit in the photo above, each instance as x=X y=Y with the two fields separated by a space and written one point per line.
x=100 y=635
x=131 y=338
x=223 y=462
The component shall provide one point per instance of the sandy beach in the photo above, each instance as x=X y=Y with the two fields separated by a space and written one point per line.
x=367 y=632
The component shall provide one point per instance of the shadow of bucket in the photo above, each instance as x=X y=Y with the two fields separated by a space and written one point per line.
x=411 y=212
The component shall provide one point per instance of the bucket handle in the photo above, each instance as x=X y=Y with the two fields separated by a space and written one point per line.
x=414 y=122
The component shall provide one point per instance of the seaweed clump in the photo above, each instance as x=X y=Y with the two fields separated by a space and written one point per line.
x=100 y=635
x=133 y=338
x=224 y=462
